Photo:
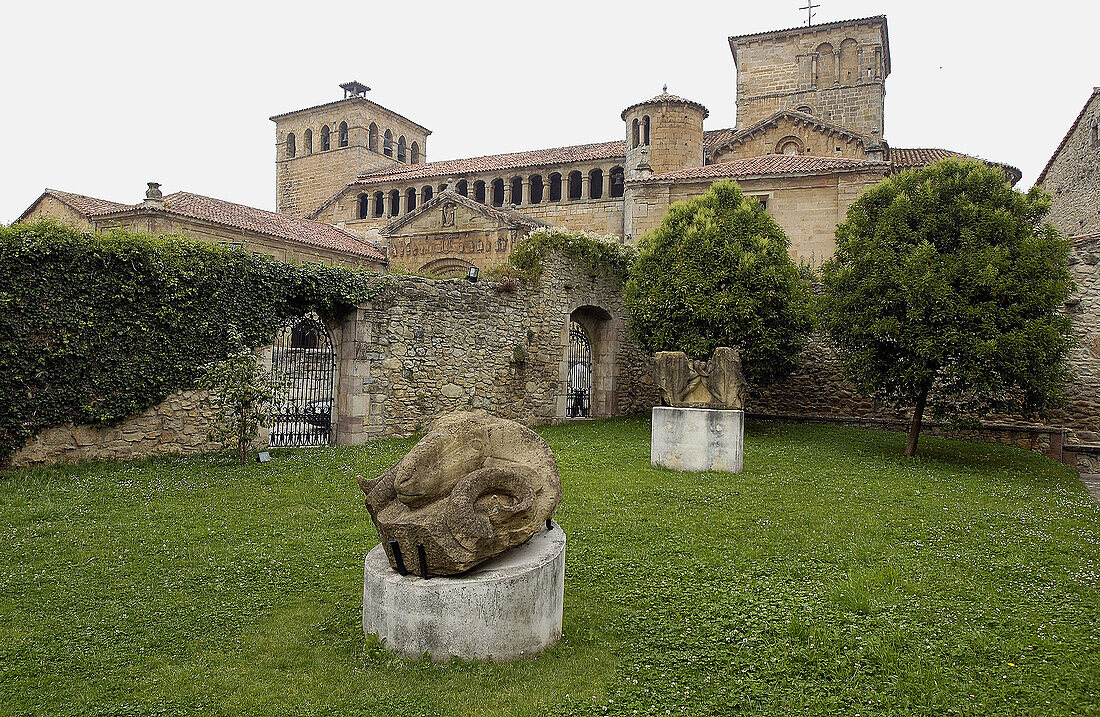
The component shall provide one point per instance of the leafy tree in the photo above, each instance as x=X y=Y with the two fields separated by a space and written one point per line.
x=245 y=395
x=944 y=292
x=717 y=273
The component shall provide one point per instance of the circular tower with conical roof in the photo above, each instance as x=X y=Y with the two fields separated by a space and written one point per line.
x=663 y=134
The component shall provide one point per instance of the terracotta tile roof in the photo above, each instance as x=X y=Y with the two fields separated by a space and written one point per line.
x=716 y=138
x=665 y=97
x=912 y=157
x=88 y=206
x=765 y=165
x=498 y=162
x=237 y=216
x=1069 y=133
x=282 y=226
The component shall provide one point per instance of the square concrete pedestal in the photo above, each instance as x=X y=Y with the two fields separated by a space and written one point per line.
x=697 y=439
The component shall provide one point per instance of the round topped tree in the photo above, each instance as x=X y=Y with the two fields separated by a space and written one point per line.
x=717 y=273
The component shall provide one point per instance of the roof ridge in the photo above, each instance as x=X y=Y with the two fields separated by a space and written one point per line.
x=1069 y=133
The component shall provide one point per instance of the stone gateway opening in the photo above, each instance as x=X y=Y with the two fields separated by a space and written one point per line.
x=589 y=374
x=578 y=392
x=303 y=359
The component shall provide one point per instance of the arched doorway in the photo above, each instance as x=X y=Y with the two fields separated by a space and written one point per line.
x=578 y=391
x=303 y=359
x=588 y=371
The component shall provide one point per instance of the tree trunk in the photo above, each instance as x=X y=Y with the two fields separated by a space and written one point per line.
x=918 y=414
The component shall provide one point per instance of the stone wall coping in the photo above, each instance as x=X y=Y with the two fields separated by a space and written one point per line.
x=872 y=421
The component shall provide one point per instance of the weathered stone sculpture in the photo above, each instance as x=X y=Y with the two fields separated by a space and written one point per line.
x=718 y=383
x=472 y=488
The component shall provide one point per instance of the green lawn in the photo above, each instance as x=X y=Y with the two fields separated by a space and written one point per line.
x=832 y=576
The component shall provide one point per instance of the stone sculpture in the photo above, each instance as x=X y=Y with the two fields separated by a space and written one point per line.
x=472 y=488
x=718 y=383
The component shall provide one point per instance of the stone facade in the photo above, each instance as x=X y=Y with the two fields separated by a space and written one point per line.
x=179 y=424
x=435 y=346
x=453 y=233
x=1072 y=176
x=807 y=206
x=836 y=71
x=385 y=201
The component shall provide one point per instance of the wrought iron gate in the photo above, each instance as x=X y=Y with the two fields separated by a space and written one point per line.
x=578 y=397
x=304 y=360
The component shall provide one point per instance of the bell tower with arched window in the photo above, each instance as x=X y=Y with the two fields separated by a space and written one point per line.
x=835 y=71
x=320 y=150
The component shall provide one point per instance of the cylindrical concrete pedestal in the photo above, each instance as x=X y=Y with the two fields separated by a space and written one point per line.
x=697 y=439
x=508 y=607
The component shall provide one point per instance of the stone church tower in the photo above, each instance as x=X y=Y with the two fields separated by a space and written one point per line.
x=320 y=150
x=836 y=72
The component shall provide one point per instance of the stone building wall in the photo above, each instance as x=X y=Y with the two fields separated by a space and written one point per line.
x=52 y=208
x=603 y=215
x=179 y=424
x=808 y=207
x=836 y=69
x=434 y=346
x=811 y=141
x=1073 y=177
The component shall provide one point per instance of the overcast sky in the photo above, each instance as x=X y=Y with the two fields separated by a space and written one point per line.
x=101 y=97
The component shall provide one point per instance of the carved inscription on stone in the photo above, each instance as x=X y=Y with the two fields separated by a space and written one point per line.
x=717 y=383
x=472 y=488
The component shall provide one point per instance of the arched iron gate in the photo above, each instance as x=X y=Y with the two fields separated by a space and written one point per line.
x=578 y=396
x=304 y=360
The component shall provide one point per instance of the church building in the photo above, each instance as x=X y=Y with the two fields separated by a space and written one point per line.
x=809 y=138
x=353 y=184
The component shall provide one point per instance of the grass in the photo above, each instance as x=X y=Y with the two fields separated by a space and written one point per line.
x=833 y=576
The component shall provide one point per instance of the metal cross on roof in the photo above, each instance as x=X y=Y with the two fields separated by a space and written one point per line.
x=809 y=8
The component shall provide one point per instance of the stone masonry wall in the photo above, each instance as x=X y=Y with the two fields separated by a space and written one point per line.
x=1073 y=179
x=808 y=207
x=435 y=346
x=179 y=424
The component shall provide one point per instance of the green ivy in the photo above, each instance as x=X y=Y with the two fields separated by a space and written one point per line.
x=601 y=254
x=97 y=327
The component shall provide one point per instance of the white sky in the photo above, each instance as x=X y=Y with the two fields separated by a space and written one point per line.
x=101 y=97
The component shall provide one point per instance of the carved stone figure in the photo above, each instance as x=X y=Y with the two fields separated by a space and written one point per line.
x=718 y=383
x=472 y=488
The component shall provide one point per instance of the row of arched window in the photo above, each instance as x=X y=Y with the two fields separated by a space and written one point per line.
x=841 y=65
x=640 y=131
x=405 y=152
x=555 y=188
x=325 y=140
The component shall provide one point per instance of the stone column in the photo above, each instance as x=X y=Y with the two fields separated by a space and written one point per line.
x=526 y=184
x=607 y=184
x=813 y=72
x=507 y=192
x=584 y=185
x=836 y=66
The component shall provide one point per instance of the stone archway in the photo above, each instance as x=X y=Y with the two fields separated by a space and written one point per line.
x=591 y=337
